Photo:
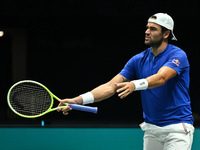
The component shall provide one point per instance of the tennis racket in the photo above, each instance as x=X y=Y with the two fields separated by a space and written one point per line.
x=31 y=99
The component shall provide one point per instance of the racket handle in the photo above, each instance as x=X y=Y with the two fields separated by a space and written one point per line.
x=84 y=108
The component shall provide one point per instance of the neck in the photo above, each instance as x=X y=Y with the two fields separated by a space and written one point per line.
x=158 y=49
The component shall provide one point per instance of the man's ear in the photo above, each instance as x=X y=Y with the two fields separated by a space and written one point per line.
x=166 y=34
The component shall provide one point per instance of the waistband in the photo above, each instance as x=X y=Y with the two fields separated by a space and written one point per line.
x=175 y=128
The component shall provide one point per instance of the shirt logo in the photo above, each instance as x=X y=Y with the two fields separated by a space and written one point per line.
x=176 y=62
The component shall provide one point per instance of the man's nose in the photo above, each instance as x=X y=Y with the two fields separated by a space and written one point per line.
x=147 y=31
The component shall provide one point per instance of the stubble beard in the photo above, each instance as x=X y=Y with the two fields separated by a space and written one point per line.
x=155 y=43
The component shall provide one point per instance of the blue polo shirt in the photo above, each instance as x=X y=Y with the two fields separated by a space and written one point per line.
x=170 y=103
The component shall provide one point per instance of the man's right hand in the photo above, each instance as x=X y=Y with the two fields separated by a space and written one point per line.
x=65 y=110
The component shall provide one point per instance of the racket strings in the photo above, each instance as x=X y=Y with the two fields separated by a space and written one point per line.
x=30 y=99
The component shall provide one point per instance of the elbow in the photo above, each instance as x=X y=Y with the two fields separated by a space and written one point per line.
x=162 y=81
x=111 y=89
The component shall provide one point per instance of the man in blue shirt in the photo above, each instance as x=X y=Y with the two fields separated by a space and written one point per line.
x=161 y=73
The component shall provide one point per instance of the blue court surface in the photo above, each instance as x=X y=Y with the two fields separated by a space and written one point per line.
x=76 y=139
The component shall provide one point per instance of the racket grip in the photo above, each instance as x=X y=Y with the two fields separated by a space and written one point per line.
x=84 y=108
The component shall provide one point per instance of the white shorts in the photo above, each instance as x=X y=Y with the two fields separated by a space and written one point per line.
x=172 y=137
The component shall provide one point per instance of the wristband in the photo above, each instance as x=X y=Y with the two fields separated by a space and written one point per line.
x=141 y=84
x=87 y=98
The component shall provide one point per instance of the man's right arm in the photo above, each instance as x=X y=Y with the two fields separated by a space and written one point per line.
x=100 y=93
x=108 y=89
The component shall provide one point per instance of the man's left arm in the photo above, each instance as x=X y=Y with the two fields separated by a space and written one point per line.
x=164 y=74
x=160 y=78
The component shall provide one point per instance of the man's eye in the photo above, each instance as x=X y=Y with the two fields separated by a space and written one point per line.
x=153 y=29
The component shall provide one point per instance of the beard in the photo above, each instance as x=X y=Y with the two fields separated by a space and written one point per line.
x=154 y=43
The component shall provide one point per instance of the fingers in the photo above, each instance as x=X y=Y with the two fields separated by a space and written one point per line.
x=65 y=109
x=121 y=87
x=59 y=105
x=124 y=89
x=58 y=110
x=123 y=94
x=65 y=101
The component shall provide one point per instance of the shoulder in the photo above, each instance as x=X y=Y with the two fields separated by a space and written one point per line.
x=141 y=55
x=136 y=59
x=178 y=57
x=176 y=50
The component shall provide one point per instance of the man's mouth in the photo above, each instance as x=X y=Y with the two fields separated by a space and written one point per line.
x=147 y=38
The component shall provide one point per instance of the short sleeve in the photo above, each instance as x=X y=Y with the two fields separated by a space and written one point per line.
x=129 y=69
x=178 y=61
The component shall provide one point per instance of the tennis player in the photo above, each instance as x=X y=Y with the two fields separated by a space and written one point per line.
x=161 y=73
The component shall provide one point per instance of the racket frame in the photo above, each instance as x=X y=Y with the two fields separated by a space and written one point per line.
x=50 y=109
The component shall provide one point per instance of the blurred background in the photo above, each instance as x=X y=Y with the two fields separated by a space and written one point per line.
x=73 y=46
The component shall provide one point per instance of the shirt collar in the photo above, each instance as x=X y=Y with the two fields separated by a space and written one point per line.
x=161 y=53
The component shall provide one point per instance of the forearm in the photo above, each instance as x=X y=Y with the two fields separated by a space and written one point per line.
x=103 y=92
x=164 y=74
x=155 y=81
x=100 y=93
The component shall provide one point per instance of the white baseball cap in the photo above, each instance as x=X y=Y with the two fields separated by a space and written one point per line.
x=164 y=20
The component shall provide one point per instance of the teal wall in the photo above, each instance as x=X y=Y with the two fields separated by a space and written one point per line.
x=75 y=139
